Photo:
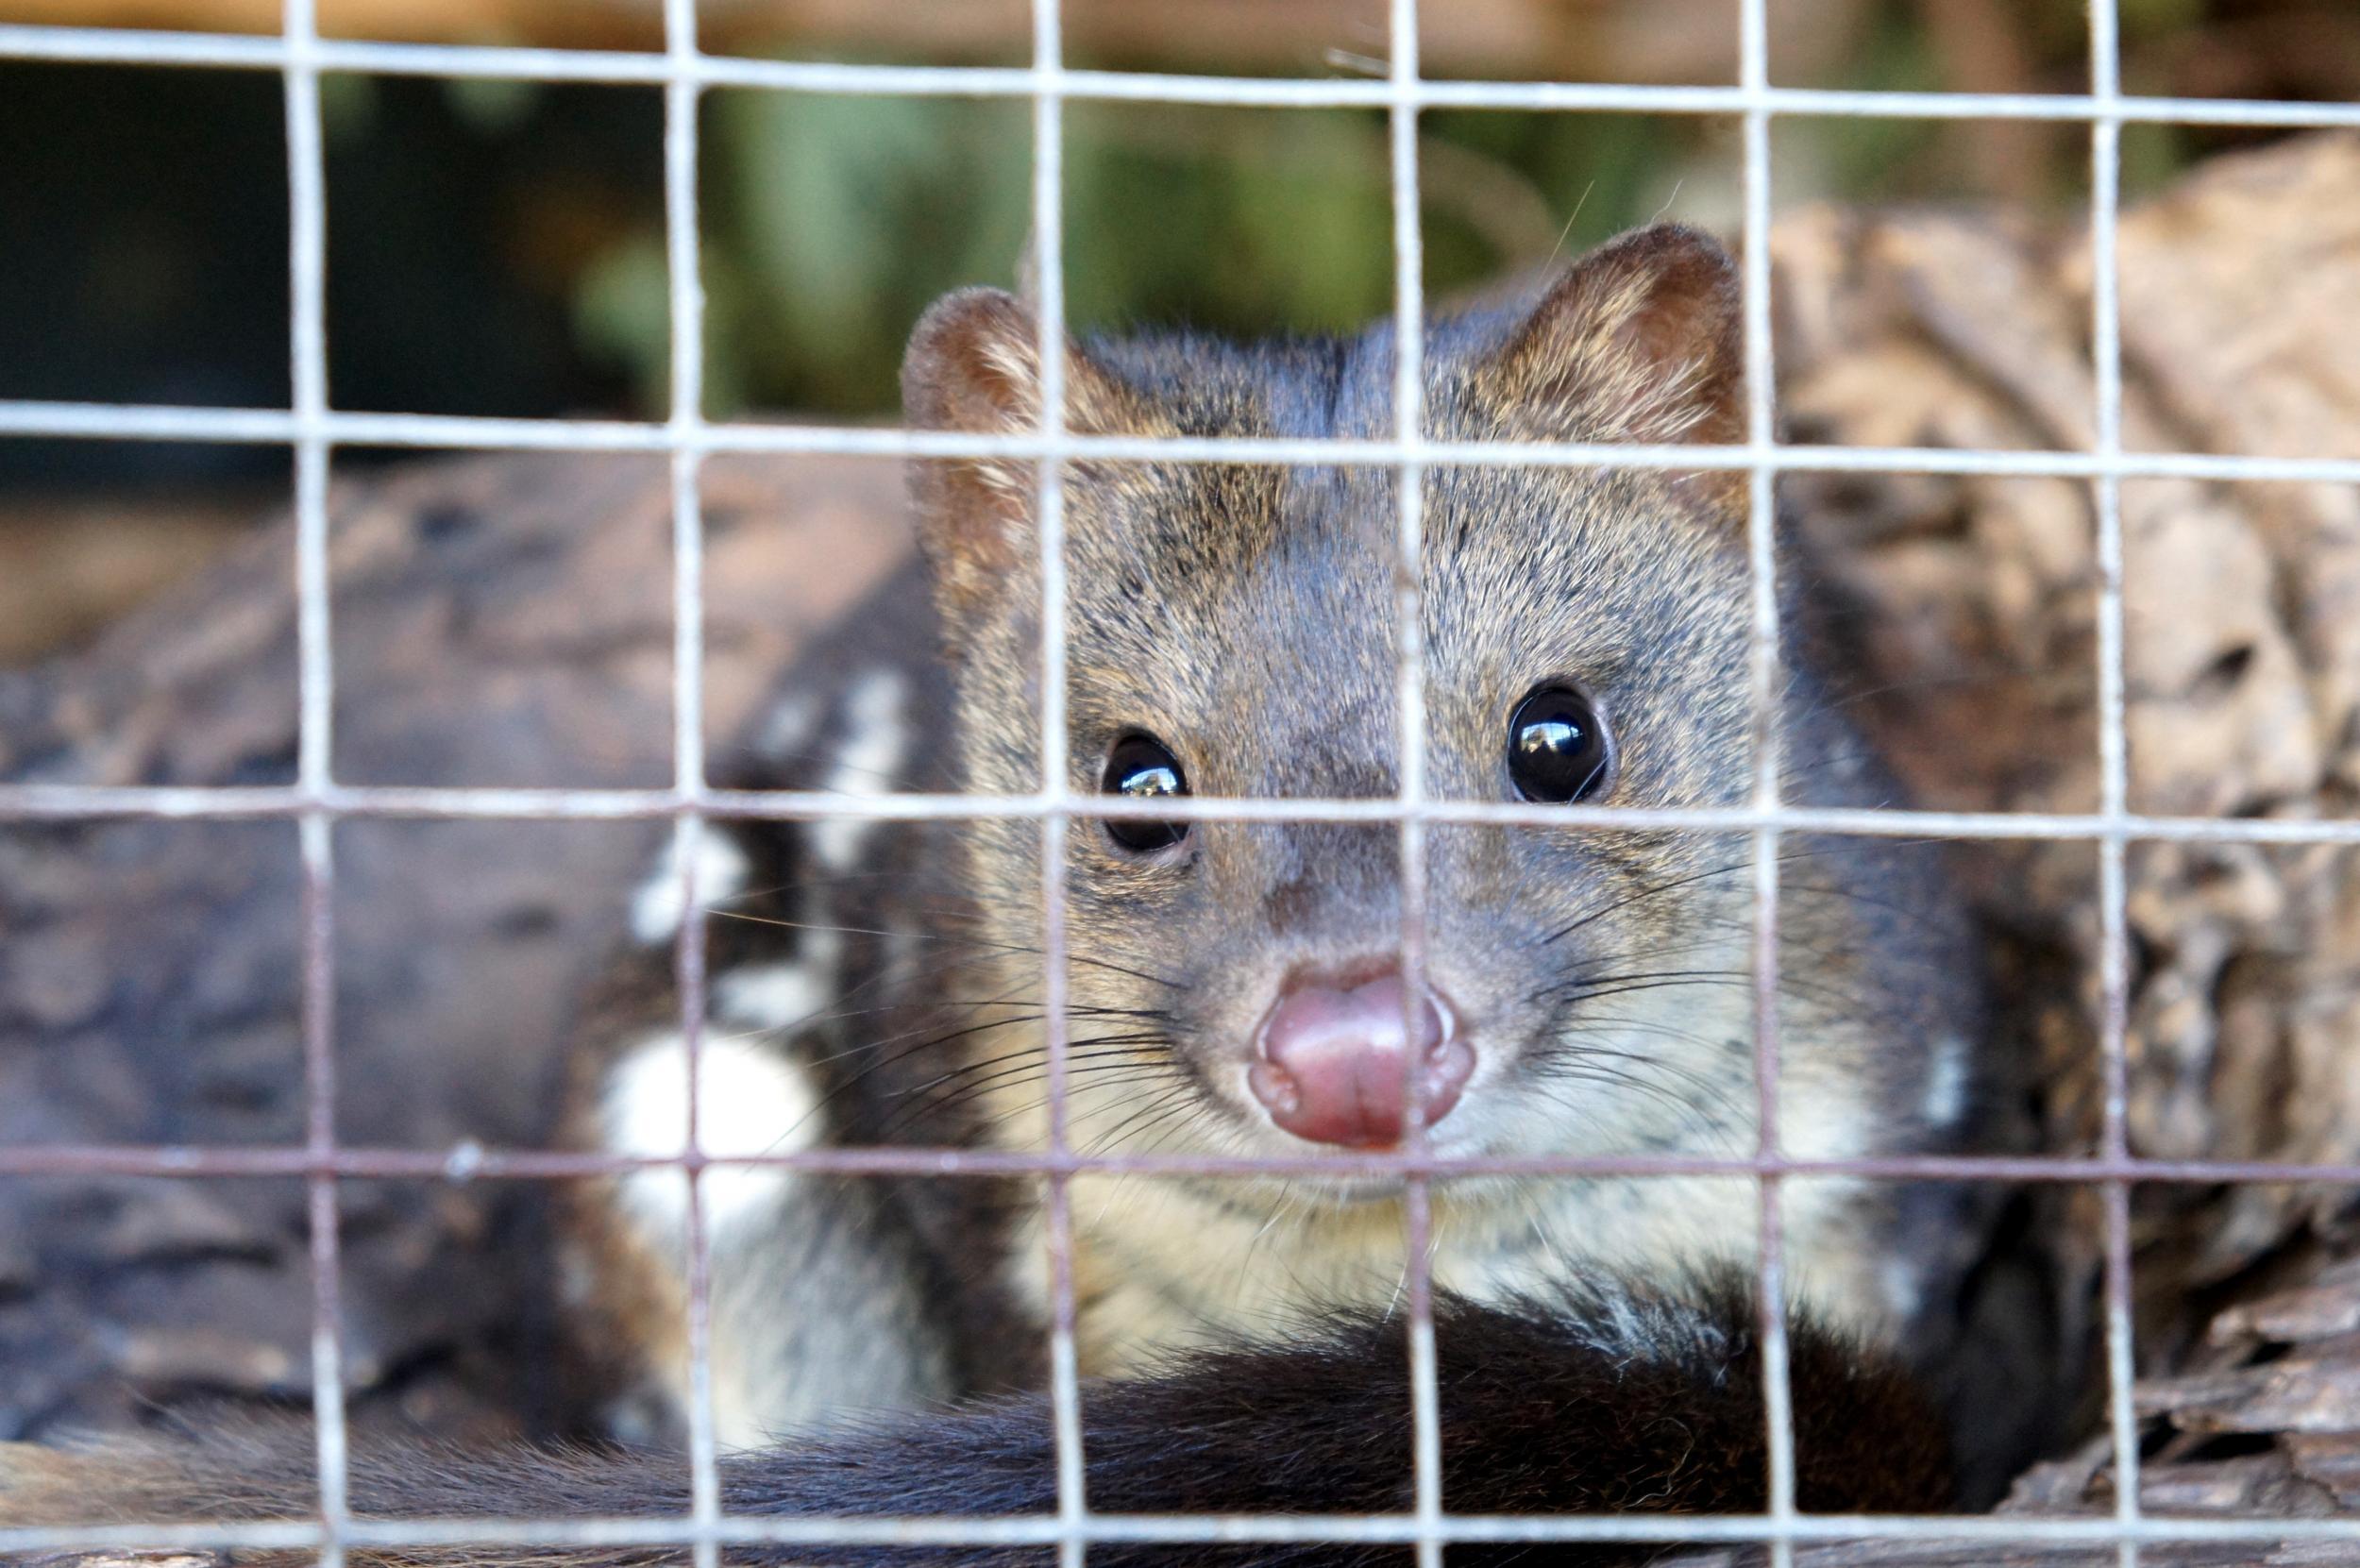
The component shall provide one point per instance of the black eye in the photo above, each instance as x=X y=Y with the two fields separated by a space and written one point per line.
x=1144 y=768
x=1557 y=746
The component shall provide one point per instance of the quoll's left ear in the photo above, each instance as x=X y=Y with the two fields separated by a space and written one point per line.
x=1642 y=340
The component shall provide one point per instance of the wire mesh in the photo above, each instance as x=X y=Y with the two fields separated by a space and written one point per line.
x=316 y=802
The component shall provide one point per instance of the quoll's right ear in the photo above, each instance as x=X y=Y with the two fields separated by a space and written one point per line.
x=973 y=366
x=1642 y=340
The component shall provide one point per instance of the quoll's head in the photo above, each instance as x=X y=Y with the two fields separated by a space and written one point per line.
x=1237 y=987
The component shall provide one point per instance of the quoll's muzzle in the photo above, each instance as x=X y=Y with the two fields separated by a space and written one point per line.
x=1333 y=1058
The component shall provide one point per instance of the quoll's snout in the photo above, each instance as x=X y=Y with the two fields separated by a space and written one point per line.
x=1333 y=1059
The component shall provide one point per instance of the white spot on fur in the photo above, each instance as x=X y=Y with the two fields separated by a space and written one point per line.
x=787 y=728
x=656 y=908
x=1904 y=1288
x=876 y=741
x=772 y=995
x=1945 y=1098
x=576 y=1287
x=751 y=1101
x=823 y=942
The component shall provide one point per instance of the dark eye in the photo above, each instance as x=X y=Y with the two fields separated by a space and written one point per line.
x=1557 y=746
x=1144 y=768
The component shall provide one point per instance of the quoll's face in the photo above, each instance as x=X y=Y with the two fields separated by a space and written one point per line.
x=1239 y=988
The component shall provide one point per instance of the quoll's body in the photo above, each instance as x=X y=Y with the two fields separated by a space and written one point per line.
x=1233 y=626
x=1237 y=988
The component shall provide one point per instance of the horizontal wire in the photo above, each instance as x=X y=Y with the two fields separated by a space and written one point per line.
x=34 y=803
x=131 y=46
x=462 y=432
x=1036 y=1530
x=470 y=1161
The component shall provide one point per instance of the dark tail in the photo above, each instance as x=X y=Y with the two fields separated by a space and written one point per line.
x=1600 y=1402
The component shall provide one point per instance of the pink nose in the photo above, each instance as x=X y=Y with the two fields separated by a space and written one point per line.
x=1333 y=1064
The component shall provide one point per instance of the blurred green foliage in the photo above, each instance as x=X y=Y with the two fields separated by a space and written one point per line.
x=498 y=248
x=830 y=221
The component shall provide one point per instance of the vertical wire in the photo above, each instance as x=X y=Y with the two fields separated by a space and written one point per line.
x=683 y=254
x=307 y=197
x=688 y=976
x=1048 y=305
x=2113 y=756
x=1409 y=675
x=1762 y=546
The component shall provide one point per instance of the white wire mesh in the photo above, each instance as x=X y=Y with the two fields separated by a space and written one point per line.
x=315 y=802
x=1425 y=1447
x=2113 y=1024
x=1777 y=1394
x=316 y=745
